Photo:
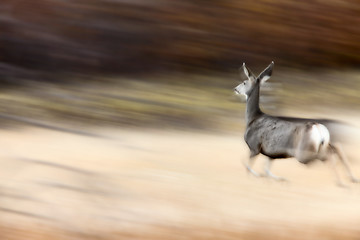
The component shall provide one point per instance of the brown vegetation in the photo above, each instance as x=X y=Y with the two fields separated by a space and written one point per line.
x=133 y=36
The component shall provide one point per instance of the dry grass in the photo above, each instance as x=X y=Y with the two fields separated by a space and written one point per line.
x=177 y=101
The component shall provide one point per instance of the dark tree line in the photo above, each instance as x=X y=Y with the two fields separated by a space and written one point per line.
x=122 y=36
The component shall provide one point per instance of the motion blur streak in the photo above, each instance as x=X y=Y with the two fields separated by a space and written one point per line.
x=118 y=119
x=139 y=35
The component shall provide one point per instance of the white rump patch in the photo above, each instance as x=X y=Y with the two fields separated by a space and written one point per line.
x=320 y=135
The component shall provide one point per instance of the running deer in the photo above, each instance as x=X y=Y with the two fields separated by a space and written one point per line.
x=285 y=137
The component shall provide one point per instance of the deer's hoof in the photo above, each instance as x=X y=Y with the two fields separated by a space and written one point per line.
x=252 y=172
x=280 y=179
x=342 y=185
x=355 y=180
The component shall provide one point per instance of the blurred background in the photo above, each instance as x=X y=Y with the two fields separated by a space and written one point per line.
x=115 y=97
x=156 y=63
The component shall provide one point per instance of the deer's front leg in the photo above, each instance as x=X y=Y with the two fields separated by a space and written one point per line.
x=268 y=173
x=250 y=163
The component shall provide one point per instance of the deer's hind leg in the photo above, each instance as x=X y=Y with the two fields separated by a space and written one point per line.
x=333 y=165
x=337 y=149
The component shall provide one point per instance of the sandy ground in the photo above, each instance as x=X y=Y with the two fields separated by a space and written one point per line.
x=153 y=184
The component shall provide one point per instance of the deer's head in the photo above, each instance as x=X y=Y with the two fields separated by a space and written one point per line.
x=251 y=81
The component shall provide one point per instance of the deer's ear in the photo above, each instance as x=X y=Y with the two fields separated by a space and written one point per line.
x=266 y=74
x=245 y=73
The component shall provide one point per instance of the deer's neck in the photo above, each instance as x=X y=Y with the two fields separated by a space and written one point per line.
x=252 y=105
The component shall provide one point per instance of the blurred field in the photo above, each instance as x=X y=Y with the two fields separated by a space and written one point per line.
x=155 y=184
x=176 y=101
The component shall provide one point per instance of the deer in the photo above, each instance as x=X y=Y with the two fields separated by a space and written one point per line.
x=278 y=137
